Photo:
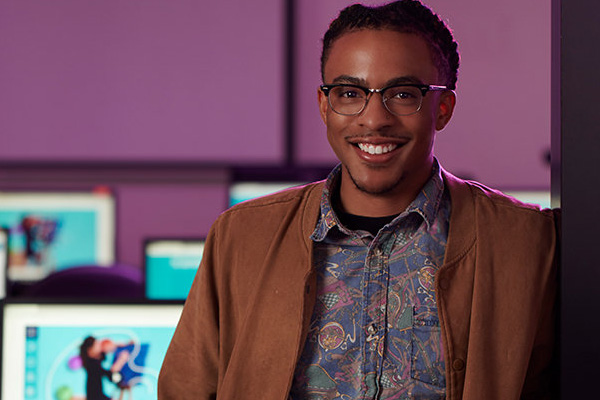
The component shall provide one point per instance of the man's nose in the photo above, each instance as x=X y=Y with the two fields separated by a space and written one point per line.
x=375 y=115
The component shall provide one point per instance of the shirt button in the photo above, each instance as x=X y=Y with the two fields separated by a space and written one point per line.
x=377 y=252
x=458 y=364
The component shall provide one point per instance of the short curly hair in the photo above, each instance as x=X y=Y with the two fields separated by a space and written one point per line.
x=406 y=16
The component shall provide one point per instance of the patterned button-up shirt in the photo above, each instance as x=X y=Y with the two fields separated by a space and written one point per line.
x=375 y=330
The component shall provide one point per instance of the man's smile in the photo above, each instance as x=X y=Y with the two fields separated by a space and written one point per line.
x=376 y=149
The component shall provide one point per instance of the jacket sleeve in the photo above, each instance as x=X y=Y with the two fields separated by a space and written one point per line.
x=190 y=368
x=542 y=377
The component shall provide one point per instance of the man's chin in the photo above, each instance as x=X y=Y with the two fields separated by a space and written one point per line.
x=375 y=189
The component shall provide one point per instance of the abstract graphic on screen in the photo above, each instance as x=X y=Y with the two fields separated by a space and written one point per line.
x=53 y=231
x=170 y=266
x=93 y=363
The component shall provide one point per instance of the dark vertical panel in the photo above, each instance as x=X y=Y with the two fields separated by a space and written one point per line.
x=555 y=110
x=580 y=192
x=290 y=71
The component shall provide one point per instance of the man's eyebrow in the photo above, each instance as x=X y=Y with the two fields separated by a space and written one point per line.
x=394 y=81
x=404 y=80
x=350 y=79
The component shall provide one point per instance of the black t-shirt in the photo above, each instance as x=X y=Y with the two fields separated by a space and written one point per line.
x=369 y=224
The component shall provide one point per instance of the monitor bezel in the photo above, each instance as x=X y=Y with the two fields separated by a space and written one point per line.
x=152 y=239
x=12 y=386
x=4 y=271
x=104 y=202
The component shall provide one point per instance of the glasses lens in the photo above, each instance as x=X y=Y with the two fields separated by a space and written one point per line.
x=403 y=100
x=347 y=100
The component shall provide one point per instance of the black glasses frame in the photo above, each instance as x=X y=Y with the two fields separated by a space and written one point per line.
x=368 y=91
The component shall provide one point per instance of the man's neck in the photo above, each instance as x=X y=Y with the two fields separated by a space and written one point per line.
x=353 y=200
x=367 y=205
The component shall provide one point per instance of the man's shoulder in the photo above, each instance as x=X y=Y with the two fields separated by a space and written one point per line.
x=487 y=197
x=280 y=198
x=256 y=222
x=305 y=198
x=500 y=199
x=479 y=211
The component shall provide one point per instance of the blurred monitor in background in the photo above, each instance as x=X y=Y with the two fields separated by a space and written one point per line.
x=54 y=231
x=537 y=197
x=170 y=266
x=242 y=191
x=74 y=351
x=3 y=260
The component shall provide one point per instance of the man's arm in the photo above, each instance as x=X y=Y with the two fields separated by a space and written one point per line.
x=542 y=377
x=190 y=367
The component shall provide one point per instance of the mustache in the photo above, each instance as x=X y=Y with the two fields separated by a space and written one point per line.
x=369 y=134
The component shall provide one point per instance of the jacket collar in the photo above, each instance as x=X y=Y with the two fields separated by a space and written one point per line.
x=426 y=204
x=461 y=236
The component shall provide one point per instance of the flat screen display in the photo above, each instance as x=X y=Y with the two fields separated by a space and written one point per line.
x=170 y=267
x=53 y=231
x=3 y=260
x=537 y=197
x=243 y=191
x=69 y=351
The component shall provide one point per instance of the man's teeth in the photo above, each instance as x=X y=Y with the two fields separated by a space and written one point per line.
x=379 y=149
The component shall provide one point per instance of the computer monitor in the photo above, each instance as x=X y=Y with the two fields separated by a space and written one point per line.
x=50 y=351
x=53 y=231
x=3 y=260
x=242 y=191
x=170 y=266
x=537 y=197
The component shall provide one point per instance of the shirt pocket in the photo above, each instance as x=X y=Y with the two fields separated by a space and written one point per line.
x=427 y=355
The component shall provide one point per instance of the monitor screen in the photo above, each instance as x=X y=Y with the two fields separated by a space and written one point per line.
x=53 y=231
x=70 y=351
x=537 y=197
x=242 y=191
x=3 y=260
x=170 y=267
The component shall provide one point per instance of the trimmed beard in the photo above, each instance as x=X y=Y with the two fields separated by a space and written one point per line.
x=384 y=190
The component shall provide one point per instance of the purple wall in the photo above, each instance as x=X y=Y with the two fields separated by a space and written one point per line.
x=155 y=80
x=501 y=127
x=171 y=88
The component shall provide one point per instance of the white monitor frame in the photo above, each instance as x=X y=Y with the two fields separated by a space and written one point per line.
x=3 y=261
x=102 y=203
x=17 y=317
x=167 y=247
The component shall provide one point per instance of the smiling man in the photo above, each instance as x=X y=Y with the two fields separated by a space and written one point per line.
x=392 y=279
x=385 y=145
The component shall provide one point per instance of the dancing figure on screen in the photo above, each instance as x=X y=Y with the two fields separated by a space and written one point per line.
x=93 y=352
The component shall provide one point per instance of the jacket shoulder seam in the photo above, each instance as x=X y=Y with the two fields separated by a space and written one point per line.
x=503 y=200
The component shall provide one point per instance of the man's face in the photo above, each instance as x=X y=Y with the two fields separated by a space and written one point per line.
x=376 y=59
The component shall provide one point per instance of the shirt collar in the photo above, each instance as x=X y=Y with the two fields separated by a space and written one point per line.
x=426 y=204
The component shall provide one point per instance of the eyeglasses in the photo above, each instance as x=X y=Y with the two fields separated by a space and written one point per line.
x=405 y=99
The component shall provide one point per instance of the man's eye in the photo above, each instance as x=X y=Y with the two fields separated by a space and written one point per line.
x=403 y=95
x=348 y=93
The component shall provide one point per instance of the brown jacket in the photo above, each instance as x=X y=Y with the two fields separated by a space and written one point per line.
x=246 y=317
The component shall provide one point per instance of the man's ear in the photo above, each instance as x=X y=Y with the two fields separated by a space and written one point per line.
x=445 y=109
x=323 y=104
